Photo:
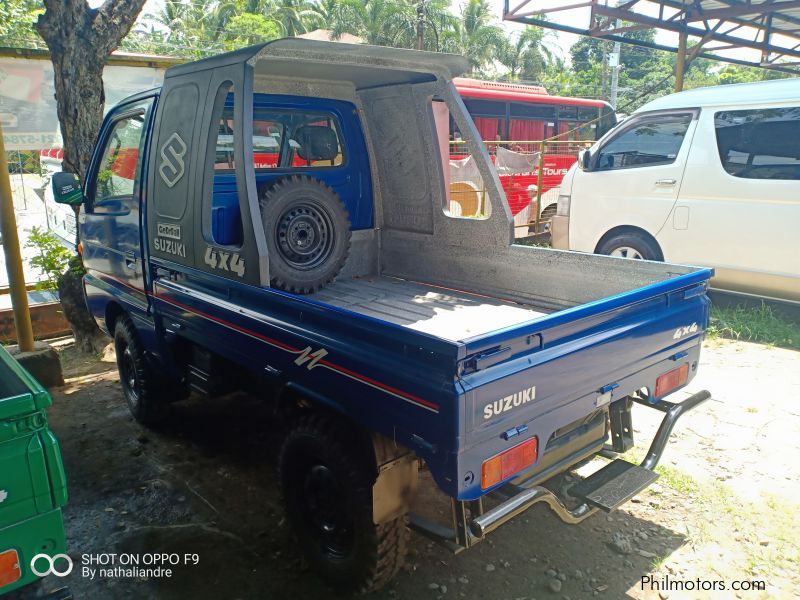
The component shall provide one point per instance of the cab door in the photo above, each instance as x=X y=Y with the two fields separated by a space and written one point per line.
x=110 y=222
x=633 y=179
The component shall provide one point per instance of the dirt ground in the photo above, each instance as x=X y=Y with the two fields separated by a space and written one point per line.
x=724 y=510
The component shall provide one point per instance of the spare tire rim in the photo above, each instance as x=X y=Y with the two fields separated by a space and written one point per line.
x=305 y=235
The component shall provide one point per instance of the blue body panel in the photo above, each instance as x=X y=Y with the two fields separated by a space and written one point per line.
x=428 y=394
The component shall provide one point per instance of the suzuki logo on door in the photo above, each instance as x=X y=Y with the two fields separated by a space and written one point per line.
x=172 y=167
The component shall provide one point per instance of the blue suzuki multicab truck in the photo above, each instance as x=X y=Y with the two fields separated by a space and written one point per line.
x=283 y=218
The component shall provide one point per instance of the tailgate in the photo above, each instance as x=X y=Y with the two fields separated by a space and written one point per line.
x=538 y=378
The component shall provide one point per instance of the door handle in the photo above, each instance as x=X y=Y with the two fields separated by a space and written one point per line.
x=666 y=182
x=130 y=260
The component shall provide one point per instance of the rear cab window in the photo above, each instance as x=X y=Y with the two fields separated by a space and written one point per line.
x=645 y=141
x=759 y=143
x=285 y=139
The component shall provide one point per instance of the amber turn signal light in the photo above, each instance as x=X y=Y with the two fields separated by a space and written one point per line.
x=509 y=462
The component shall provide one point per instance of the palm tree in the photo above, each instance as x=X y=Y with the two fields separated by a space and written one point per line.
x=525 y=56
x=293 y=16
x=476 y=35
x=378 y=22
x=327 y=14
x=438 y=21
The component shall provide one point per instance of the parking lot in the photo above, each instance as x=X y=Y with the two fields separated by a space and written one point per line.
x=724 y=510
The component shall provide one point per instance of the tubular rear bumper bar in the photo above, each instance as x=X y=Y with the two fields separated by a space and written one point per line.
x=525 y=498
x=608 y=488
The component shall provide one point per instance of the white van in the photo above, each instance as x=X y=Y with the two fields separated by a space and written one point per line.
x=709 y=177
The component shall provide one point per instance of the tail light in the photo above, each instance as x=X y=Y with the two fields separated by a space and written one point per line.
x=508 y=462
x=9 y=568
x=672 y=380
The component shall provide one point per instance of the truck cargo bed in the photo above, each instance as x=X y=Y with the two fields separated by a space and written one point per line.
x=443 y=312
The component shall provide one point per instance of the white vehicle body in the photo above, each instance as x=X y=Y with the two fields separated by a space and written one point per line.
x=708 y=177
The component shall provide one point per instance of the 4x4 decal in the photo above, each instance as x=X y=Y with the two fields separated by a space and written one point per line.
x=172 y=166
x=224 y=261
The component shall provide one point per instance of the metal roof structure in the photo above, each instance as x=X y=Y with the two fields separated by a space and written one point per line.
x=761 y=33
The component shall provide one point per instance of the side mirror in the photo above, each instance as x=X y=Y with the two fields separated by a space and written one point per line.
x=67 y=189
x=585 y=160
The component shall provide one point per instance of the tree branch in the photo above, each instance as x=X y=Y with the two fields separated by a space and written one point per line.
x=113 y=21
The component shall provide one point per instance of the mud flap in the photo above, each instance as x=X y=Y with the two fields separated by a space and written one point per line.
x=394 y=489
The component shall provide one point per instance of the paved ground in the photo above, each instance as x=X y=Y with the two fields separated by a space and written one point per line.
x=724 y=510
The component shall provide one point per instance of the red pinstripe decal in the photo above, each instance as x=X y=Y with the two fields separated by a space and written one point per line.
x=337 y=368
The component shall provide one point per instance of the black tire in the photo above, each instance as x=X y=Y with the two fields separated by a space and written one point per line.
x=144 y=395
x=308 y=234
x=630 y=243
x=327 y=494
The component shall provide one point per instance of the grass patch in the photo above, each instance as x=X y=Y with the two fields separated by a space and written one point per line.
x=759 y=324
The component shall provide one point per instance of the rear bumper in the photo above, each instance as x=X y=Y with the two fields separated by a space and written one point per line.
x=607 y=489
x=522 y=499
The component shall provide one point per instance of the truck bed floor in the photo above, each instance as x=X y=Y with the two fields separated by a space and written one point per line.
x=445 y=313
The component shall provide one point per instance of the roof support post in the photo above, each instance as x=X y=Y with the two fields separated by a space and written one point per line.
x=16 y=278
x=680 y=65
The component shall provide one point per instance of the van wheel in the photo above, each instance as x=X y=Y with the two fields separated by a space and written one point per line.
x=631 y=245
x=139 y=382
x=549 y=212
x=308 y=234
x=327 y=494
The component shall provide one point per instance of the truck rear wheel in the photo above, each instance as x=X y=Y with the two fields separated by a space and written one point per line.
x=327 y=493
x=308 y=234
x=139 y=382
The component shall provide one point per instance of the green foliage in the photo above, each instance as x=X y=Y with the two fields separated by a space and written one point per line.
x=754 y=325
x=52 y=258
x=247 y=29
x=525 y=57
x=16 y=21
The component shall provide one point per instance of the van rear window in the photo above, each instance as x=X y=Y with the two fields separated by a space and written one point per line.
x=759 y=143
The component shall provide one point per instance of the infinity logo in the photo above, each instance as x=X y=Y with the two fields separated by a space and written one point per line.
x=51 y=562
x=172 y=152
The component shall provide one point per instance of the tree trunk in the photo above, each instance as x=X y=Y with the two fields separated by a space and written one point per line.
x=88 y=338
x=80 y=38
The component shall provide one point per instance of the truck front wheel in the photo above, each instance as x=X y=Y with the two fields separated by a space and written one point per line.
x=136 y=375
x=327 y=492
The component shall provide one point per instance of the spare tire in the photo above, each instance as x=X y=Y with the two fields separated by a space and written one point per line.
x=308 y=234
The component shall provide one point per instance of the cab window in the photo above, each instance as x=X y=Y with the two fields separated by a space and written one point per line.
x=648 y=141
x=116 y=182
x=284 y=139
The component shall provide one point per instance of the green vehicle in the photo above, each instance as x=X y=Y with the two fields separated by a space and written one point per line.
x=33 y=486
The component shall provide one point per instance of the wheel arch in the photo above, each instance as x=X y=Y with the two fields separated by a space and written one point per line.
x=622 y=229
x=112 y=314
x=295 y=400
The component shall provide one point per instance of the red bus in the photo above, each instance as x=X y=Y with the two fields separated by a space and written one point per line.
x=513 y=112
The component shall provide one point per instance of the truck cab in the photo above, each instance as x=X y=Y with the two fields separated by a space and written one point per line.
x=284 y=218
